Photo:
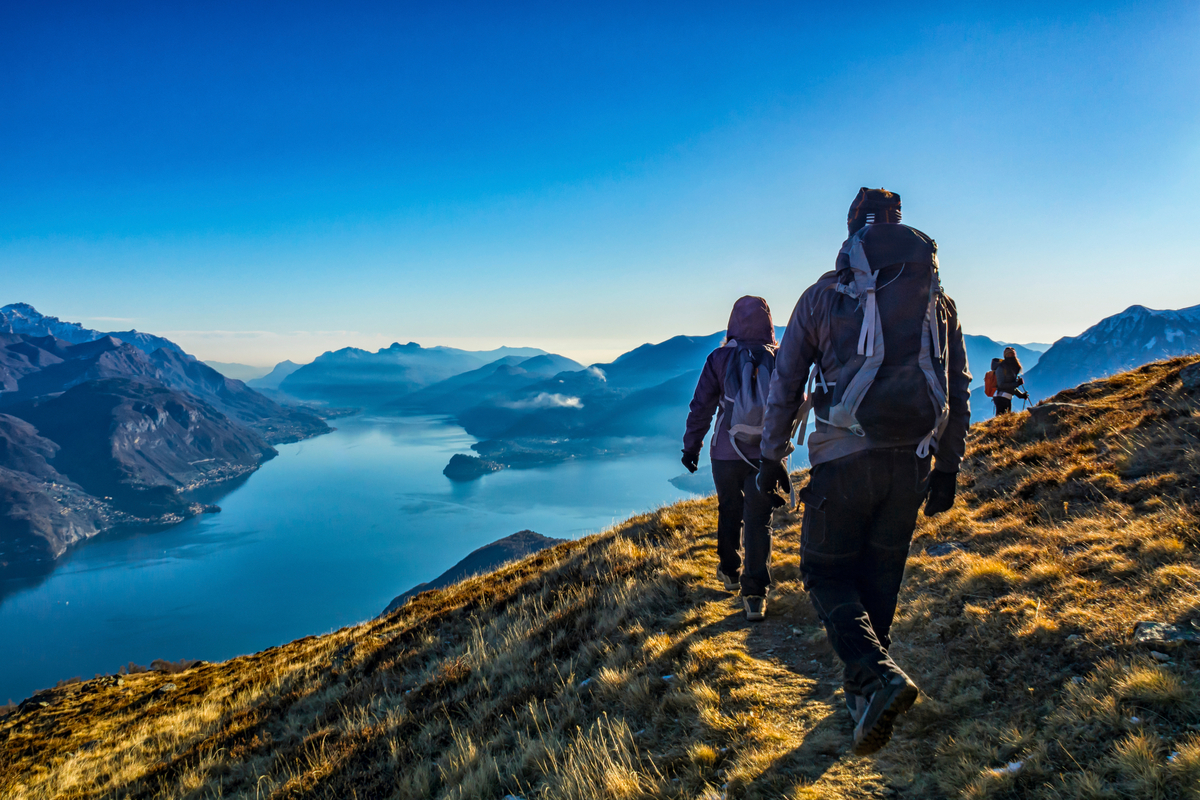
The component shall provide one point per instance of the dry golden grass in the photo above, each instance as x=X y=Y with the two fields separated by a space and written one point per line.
x=615 y=667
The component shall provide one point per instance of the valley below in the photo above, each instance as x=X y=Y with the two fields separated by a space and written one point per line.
x=324 y=534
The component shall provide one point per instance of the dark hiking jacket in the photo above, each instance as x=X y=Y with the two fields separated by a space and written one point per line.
x=1008 y=376
x=808 y=341
x=750 y=325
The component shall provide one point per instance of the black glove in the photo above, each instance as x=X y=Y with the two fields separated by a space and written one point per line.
x=691 y=461
x=1022 y=395
x=774 y=482
x=942 y=486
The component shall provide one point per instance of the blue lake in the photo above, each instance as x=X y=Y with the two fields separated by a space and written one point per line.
x=324 y=535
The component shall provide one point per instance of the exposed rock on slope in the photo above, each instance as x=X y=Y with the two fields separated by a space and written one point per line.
x=276 y=423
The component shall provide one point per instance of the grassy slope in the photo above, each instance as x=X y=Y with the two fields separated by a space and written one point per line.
x=549 y=677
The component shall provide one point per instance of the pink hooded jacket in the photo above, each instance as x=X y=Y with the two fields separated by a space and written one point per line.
x=750 y=325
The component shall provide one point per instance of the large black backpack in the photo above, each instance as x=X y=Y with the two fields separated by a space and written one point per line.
x=886 y=332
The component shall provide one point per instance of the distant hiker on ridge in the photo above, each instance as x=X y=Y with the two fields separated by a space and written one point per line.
x=736 y=378
x=890 y=390
x=1007 y=381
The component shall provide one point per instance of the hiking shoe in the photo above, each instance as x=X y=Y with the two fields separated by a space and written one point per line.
x=856 y=704
x=731 y=584
x=756 y=608
x=874 y=728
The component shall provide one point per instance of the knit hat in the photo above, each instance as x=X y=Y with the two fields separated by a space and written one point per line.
x=880 y=204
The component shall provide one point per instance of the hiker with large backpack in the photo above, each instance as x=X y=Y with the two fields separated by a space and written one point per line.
x=1005 y=381
x=890 y=392
x=734 y=383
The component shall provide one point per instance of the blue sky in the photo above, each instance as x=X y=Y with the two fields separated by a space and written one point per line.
x=263 y=181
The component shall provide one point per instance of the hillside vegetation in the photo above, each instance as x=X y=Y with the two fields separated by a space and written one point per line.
x=614 y=666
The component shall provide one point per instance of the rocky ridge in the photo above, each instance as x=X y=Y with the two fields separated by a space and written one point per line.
x=101 y=432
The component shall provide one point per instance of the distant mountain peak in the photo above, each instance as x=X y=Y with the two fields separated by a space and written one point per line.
x=26 y=320
x=1135 y=336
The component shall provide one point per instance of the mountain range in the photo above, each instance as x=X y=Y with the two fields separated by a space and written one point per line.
x=529 y=412
x=351 y=376
x=103 y=429
x=1136 y=336
x=22 y=318
x=97 y=428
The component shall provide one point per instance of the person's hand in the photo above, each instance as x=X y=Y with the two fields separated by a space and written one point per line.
x=942 y=487
x=691 y=461
x=774 y=482
x=1022 y=395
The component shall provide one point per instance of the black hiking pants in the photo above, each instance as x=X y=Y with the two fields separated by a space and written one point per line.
x=859 y=514
x=1003 y=405
x=743 y=517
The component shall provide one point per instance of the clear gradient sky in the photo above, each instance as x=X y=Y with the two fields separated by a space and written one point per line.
x=261 y=181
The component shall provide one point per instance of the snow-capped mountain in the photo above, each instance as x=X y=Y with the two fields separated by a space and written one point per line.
x=1136 y=336
x=24 y=319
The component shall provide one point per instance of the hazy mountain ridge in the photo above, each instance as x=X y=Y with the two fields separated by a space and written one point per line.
x=352 y=376
x=637 y=401
x=275 y=377
x=241 y=372
x=505 y=375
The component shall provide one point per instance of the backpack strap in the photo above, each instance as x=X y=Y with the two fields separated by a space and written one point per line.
x=870 y=338
x=932 y=358
x=864 y=284
x=800 y=422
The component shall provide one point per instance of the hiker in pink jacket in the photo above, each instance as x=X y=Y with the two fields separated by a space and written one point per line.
x=744 y=513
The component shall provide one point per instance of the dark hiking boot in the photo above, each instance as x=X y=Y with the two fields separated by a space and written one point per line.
x=756 y=608
x=874 y=728
x=856 y=704
x=731 y=584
